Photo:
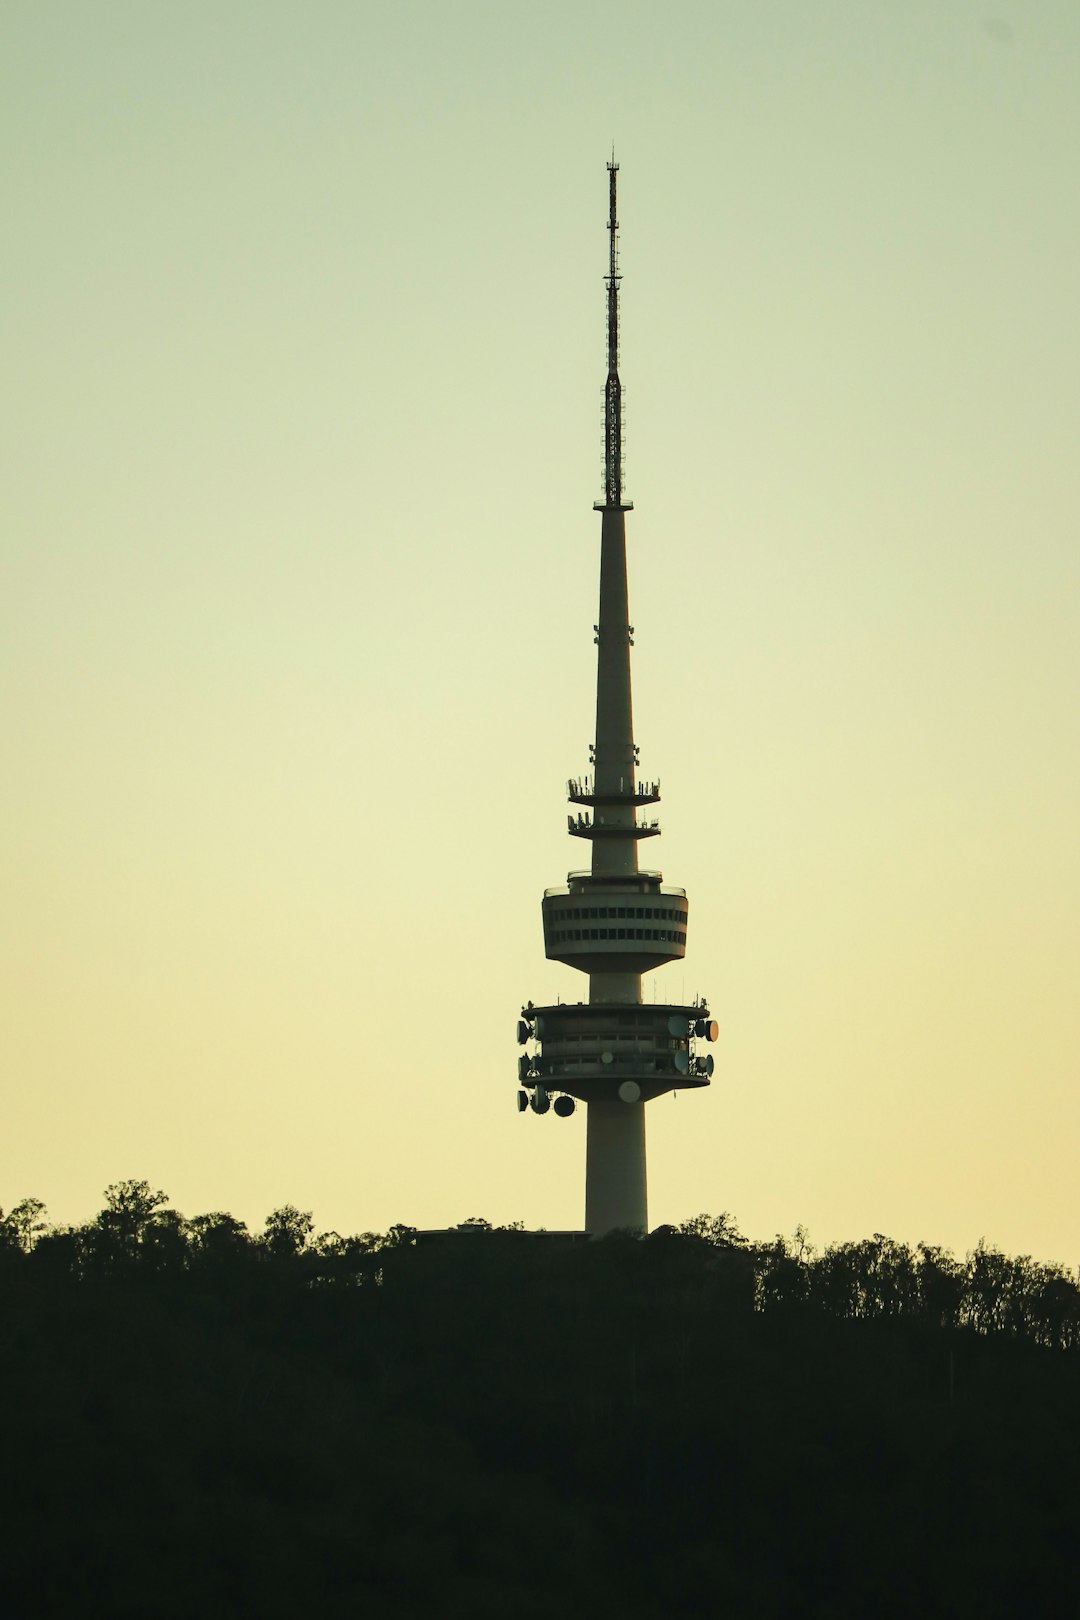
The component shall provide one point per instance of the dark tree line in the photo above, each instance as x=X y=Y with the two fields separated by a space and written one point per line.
x=204 y=1420
x=988 y=1291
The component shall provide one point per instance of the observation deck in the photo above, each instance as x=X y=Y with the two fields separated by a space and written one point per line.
x=616 y=1052
x=622 y=923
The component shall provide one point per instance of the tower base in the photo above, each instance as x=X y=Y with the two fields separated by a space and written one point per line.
x=615 y=1195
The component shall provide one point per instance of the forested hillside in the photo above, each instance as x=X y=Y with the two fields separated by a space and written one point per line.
x=202 y=1421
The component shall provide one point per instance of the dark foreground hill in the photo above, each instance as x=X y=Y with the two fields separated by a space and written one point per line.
x=201 y=1423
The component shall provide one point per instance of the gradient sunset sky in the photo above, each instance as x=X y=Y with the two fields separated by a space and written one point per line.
x=303 y=353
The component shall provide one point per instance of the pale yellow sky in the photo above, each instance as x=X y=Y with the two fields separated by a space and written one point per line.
x=303 y=339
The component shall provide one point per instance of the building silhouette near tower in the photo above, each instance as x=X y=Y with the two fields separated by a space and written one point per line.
x=615 y=921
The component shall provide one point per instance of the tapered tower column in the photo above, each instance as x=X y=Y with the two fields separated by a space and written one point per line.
x=614 y=754
x=615 y=921
x=615 y=1164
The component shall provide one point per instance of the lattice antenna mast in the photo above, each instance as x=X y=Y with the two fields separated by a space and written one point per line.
x=613 y=388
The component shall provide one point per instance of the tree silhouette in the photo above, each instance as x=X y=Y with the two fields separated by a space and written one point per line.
x=24 y=1222
x=288 y=1230
x=212 y=1422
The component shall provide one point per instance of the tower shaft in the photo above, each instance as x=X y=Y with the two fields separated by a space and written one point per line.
x=614 y=754
x=616 y=1186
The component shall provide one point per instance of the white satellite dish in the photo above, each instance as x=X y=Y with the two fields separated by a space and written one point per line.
x=630 y=1091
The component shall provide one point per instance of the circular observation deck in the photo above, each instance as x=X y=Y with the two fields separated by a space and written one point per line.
x=617 y=925
x=612 y=1051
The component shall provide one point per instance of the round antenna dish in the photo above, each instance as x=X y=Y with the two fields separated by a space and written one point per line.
x=678 y=1025
x=699 y=1029
x=710 y=1064
x=712 y=1029
x=522 y=1032
x=630 y=1091
x=539 y=1029
x=607 y=1057
x=541 y=1102
x=522 y=1101
x=682 y=1062
x=563 y=1106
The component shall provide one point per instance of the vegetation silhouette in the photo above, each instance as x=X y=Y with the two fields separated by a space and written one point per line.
x=201 y=1420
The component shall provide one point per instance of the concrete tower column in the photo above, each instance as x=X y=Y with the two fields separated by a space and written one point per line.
x=615 y=1185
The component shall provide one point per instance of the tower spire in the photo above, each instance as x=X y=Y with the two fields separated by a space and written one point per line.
x=613 y=387
x=614 y=922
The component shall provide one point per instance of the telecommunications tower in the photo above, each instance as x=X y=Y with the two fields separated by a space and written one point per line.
x=615 y=921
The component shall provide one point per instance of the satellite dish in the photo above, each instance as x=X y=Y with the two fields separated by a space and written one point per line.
x=607 y=1057
x=678 y=1025
x=522 y=1032
x=712 y=1029
x=522 y=1101
x=682 y=1062
x=710 y=1064
x=699 y=1029
x=563 y=1106
x=630 y=1091
x=541 y=1102
x=523 y=1067
x=539 y=1029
